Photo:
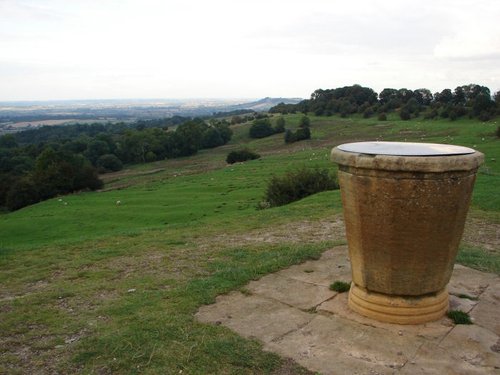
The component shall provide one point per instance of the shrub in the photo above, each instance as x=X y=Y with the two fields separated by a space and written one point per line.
x=484 y=116
x=404 y=114
x=382 y=117
x=241 y=155
x=261 y=128
x=298 y=184
x=431 y=115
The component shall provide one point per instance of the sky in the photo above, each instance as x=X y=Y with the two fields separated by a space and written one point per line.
x=119 y=49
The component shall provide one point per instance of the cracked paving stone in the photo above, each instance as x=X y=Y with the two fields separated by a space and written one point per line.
x=334 y=345
x=473 y=344
x=253 y=316
x=333 y=265
x=487 y=312
x=434 y=360
x=292 y=292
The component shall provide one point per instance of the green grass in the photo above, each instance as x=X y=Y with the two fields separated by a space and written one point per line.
x=340 y=286
x=459 y=317
x=178 y=239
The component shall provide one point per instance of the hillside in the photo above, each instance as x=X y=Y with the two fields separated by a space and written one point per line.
x=91 y=285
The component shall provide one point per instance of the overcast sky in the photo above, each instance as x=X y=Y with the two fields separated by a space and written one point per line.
x=86 y=49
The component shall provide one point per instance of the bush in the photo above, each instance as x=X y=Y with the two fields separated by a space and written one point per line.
x=298 y=184
x=382 y=117
x=431 y=115
x=404 y=114
x=241 y=155
x=261 y=128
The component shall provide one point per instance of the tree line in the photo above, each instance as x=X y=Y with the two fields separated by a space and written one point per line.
x=39 y=164
x=474 y=101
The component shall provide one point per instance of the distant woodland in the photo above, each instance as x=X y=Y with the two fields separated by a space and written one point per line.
x=473 y=101
x=42 y=163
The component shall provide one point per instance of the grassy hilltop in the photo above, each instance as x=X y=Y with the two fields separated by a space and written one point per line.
x=89 y=285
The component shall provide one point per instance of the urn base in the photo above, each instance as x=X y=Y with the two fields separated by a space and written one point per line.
x=398 y=309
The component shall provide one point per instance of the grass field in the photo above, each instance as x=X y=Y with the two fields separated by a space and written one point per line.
x=88 y=285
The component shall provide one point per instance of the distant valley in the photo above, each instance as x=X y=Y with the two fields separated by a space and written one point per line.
x=17 y=116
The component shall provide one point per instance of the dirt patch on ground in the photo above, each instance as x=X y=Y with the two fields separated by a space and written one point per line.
x=483 y=234
x=297 y=232
x=478 y=233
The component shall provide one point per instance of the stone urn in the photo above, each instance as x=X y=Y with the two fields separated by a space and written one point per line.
x=405 y=206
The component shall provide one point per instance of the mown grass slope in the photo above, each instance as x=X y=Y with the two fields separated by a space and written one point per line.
x=92 y=286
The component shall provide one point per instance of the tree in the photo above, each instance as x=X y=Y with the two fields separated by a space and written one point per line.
x=95 y=149
x=404 y=114
x=225 y=131
x=482 y=104
x=302 y=133
x=109 y=163
x=261 y=128
x=211 y=138
x=8 y=141
x=423 y=96
x=289 y=136
x=444 y=97
x=57 y=172
x=305 y=122
x=22 y=193
x=279 y=126
x=386 y=95
x=190 y=136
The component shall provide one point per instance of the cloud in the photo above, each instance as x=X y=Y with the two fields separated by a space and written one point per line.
x=241 y=48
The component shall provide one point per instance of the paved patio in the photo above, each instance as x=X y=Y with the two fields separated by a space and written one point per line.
x=295 y=314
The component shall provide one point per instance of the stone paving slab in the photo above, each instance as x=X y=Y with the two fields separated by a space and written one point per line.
x=254 y=316
x=431 y=359
x=294 y=314
x=292 y=292
x=487 y=312
x=334 y=345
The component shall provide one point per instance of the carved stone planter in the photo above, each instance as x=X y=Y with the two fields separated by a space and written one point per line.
x=405 y=206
